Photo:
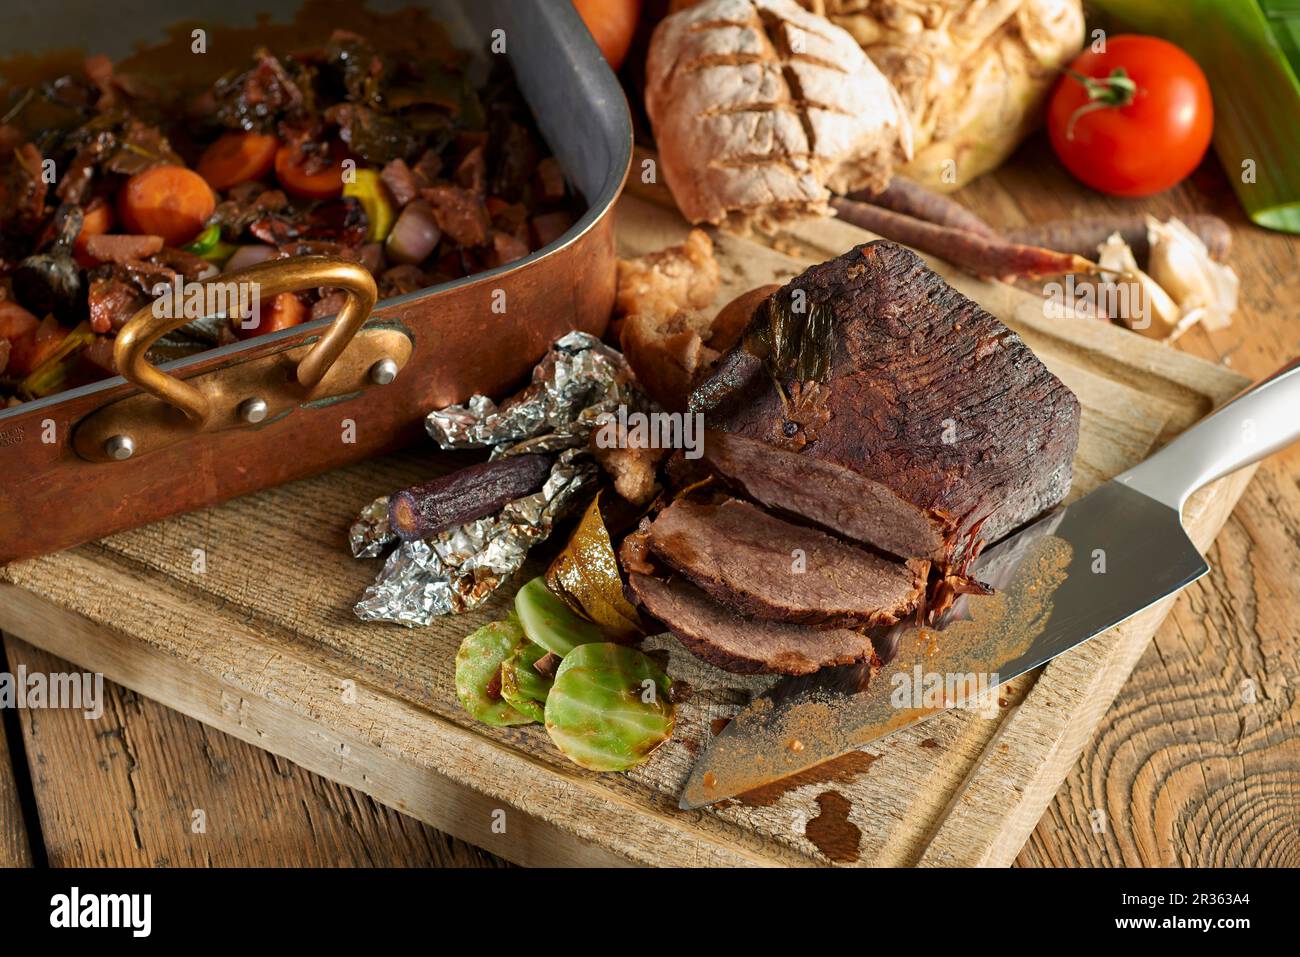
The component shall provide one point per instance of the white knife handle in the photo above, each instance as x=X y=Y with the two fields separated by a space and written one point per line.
x=1259 y=421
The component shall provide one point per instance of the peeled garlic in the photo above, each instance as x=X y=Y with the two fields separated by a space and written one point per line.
x=1153 y=313
x=1206 y=291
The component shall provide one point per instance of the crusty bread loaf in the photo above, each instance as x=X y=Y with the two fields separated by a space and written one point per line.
x=759 y=107
x=974 y=76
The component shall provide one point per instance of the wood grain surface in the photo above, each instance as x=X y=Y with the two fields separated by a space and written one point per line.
x=1198 y=763
x=144 y=786
x=15 y=847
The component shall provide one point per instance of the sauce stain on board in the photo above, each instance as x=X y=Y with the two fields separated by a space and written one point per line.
x=839 y=770
x=832 y=832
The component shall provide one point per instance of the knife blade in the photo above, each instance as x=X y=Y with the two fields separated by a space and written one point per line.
x=1061 y=581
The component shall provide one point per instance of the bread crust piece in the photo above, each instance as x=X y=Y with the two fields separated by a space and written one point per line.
x=759 y=107
x=974 y=76
x=660 y=325
x=661 y=284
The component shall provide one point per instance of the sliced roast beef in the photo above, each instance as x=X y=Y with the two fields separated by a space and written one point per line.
x=762 y=566
x=743 y=645
x=870 y=397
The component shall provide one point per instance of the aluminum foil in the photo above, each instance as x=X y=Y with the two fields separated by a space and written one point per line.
x=578 y=381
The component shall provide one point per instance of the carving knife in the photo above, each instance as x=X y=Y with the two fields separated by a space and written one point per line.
x=1059 y=582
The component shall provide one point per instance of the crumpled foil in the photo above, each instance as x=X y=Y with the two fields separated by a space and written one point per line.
x=578 y=381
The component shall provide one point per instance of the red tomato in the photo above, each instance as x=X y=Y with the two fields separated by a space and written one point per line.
x=1134 y=119
x=612 y=24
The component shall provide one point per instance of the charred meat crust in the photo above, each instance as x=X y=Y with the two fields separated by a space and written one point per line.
x=937 y=428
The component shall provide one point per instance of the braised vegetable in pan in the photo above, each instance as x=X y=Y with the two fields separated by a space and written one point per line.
x=110 y=186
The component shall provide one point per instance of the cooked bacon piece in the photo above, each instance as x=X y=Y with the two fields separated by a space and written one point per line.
x=74 y=185
x=193 y=268
x=459 y=213
x=113 y=300
x=118 y=290
x=427 y=168
x=97 y=356
x=549 y=227
x=401 y=182
x=515 y=162
x=329 y=304
x=245 y=204
x=341 y=221
x=507 y=216
x=506 y=248
x=122 y=248
x=471 y=174
x=22 y=191
x=551 y=178
x=400 y=280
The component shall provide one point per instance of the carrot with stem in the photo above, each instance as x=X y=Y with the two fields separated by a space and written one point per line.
x=912 y=199
x=980 y=255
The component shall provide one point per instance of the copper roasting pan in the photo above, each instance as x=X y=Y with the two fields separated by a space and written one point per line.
x=117 y=454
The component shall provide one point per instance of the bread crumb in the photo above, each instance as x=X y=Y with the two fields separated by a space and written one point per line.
x=662 y=330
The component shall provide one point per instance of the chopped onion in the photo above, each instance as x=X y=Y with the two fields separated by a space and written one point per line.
x=415 y=235
x=246 y=256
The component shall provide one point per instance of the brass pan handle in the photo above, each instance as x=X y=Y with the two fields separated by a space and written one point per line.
x=270 y=279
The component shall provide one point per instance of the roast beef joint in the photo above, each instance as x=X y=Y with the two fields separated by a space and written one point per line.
x=876 y=429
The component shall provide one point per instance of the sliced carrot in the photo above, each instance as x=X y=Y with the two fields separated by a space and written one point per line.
x=293 y=169
x=98 y=221
x=237 y=158
x=35 y=346
x=282 y=312
x=15 y=321
x=168 y=201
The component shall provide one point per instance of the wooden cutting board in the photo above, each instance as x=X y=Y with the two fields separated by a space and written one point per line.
x=240 y=616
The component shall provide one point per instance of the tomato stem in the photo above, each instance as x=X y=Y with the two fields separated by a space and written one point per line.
x=1114 y=91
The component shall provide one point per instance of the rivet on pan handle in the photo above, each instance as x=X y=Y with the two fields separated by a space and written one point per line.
x=271 y=279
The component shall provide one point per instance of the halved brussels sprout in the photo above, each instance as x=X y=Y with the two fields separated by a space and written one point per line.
x=521 y=685
x=478 y=673
x=549 y=622
x=608 y=708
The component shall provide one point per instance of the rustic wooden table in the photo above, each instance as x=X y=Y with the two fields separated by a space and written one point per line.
x=1198 y=762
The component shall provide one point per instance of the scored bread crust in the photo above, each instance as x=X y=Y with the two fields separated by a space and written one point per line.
x=760 y=107
x=974 y=76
